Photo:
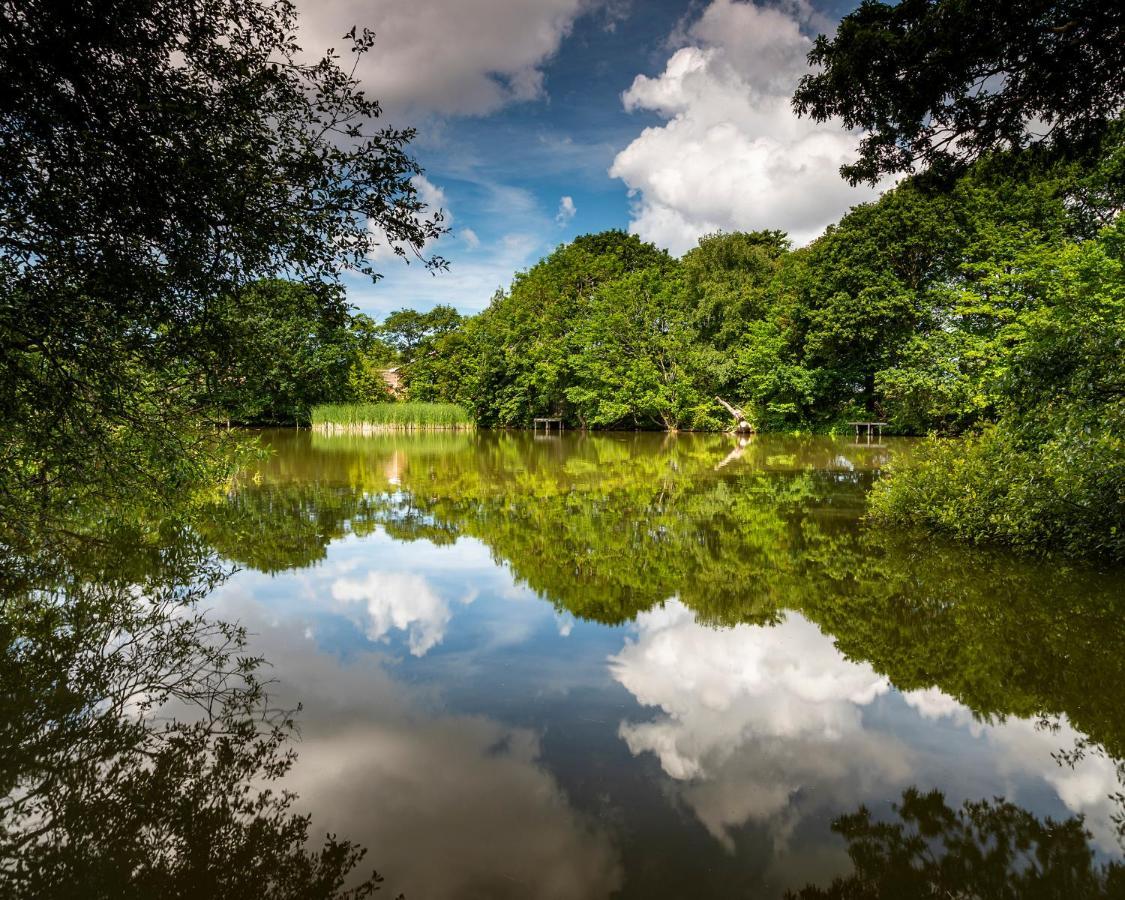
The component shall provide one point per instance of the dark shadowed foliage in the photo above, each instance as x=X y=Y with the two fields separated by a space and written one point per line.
x=154 y=157
x=139 y=750
x=939 y=83
x=986 y=848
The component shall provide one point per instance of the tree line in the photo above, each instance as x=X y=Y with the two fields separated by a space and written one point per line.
x=991 y=308
x=909 y=309
x=914 y=309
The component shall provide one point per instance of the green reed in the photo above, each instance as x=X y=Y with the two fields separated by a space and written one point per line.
x=365 y=417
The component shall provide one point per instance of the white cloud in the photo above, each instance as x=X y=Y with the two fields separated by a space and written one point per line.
x=567 y=211
x=732 y=154
x=465 y=58
x=470 y=238
x=398 y=601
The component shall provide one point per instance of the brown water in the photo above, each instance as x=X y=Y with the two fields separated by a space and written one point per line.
x=655 y=665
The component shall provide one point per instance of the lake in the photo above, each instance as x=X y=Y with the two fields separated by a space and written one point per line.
x=648 y=665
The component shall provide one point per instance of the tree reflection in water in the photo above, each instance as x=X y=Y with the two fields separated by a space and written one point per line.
x=609 y=528
x=105 y=795
x=985 y=849
x=139 y=752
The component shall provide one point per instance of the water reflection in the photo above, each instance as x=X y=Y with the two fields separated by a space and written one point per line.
x=986 y=848
x=139 y=749
x=752 y=716
x=779 y=664
x=632 y=666
x=769 y=724
x=454 y=805
x=398 y=600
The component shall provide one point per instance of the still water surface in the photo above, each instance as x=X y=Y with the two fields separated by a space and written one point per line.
x=650 y=665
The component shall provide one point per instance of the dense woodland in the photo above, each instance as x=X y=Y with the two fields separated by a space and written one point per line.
x=914 y=309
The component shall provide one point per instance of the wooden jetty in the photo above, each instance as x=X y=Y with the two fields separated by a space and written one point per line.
x=868 y=426
x=548 y=422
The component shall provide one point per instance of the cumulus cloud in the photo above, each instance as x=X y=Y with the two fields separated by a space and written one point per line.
x=732 y=154
x=465 y=58
x=470 y=238
x=566 y=212
x=398 y=601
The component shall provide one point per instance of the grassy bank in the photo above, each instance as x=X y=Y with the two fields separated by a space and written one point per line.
x=364 y=418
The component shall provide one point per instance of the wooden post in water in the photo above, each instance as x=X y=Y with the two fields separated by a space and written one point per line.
x=547 y=422
x=869 y=426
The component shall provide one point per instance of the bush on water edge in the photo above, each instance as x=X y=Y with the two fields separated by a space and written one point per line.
x=389 y=416
x=1065 y=493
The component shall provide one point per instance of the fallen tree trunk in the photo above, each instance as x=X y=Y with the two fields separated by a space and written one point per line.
x=741 y=423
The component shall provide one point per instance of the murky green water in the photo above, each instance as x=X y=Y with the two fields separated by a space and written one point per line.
x=649 y=665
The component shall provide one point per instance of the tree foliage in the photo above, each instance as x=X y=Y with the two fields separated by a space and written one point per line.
x=939 y=83
x=992 y=849
x=524 y=339
x=285 y=346
x=608 y=526
x=1060 y=439
x=156 y=157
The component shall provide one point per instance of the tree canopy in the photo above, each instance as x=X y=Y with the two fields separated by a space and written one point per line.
x=155 y=158
x=285 y=346
x=936 y=84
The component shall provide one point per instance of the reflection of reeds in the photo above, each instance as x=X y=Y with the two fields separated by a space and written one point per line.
x=368 y=418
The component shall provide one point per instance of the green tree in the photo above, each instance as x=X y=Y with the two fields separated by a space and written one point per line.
x=408 y=331
x=1060 y=441
x=156 y=157
x=446 y=368
x=434 y=353
x=726 y=276
x=522 y=338
x=938 y=83
x=853 y=297
x=366 y=381
x=288 y=347
x=635 y=359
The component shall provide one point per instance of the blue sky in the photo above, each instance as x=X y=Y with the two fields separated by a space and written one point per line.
x=539 y=120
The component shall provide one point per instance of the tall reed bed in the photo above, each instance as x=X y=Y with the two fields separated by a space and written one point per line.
x=366 y=418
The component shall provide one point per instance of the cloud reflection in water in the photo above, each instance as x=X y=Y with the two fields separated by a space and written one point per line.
x=756 y=723
x=449 y=805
